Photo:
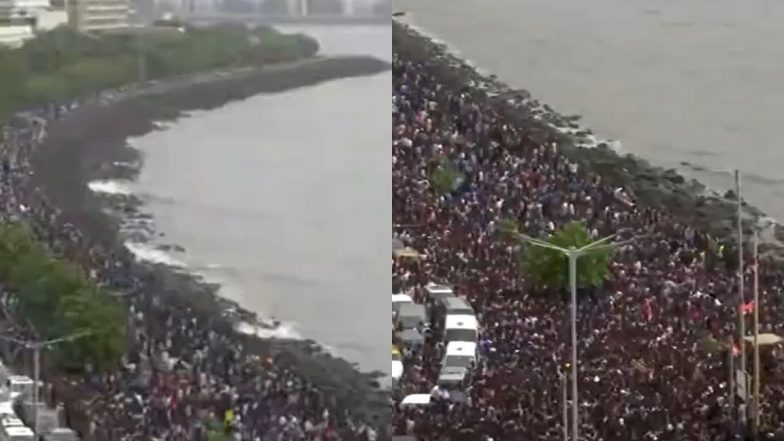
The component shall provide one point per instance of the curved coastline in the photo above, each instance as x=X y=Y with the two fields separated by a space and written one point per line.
x=91 y=143
x=648 y=183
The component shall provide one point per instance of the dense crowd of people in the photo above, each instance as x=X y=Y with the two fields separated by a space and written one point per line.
x=185 y=376
x=645 y=369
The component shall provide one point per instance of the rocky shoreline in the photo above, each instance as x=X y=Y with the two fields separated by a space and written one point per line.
x=649 y=184
x=90 y=143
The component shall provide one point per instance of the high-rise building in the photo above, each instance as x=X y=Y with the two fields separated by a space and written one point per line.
x=98 y=15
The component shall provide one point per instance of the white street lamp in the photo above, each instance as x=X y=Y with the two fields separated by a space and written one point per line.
x=565 y=404
x=573 y=253
x=760 y=225
x=36 y=346
x=741 y=292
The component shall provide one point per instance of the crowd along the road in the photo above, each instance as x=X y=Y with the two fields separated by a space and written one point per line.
x=186 y=375
x=645 y=371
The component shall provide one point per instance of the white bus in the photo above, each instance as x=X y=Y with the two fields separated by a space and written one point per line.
x=7 y=409
x=17 y=434
x=461 y=328
x=20 y=385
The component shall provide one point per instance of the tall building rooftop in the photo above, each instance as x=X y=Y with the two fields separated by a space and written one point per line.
x=98 y=15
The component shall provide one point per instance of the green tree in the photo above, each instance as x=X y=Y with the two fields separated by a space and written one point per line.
x=59 y=300
x=63 y=63
x=90 y=310
x=12 y=74
x=43 y=88
x=550 y=268
x=444 y=177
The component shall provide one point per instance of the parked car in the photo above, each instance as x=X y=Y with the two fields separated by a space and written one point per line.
x=461 y=328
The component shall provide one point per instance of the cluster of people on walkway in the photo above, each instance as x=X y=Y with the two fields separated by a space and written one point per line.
x=645 y=370
x=186 y=375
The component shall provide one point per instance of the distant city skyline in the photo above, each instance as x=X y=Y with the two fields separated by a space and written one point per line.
x=267 y=7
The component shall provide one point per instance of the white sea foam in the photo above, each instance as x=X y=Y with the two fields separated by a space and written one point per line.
x=147 y=253
x=162 y=125
x=286 y=331
x=114 y=186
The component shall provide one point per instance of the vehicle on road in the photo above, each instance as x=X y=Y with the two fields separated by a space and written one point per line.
x=456 y=306
x=456 y=369
x=397 y=364
x=416 y=400
x=435 y=292
x=411 y=316
x=461 y=328
x=16 y=434
x=400 y=299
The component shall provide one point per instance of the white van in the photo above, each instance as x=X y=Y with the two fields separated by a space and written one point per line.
x=461 y=328
x=399 y=299
x=61 y=434
x=20 y=385
x=437 y=292
x=456 y=306
x=416 y=400
x=11 y=421
x=7 y=409
x=456 y=367
x=460 y=354
x=17 y=434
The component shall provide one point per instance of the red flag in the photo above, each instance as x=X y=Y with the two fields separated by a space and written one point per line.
x=747 y=308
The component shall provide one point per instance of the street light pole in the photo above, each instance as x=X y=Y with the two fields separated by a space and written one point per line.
x=565 y=409
x=36 y=347
x=731 y=382
x=755 y=399
x=36 y=379
x=573 y=253
x=741 y=294
x=761 y=225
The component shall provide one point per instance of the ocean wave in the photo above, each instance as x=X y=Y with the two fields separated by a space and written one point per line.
x=284 y=331
x=162 y=125
x=148 y=253
x=110 y=186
